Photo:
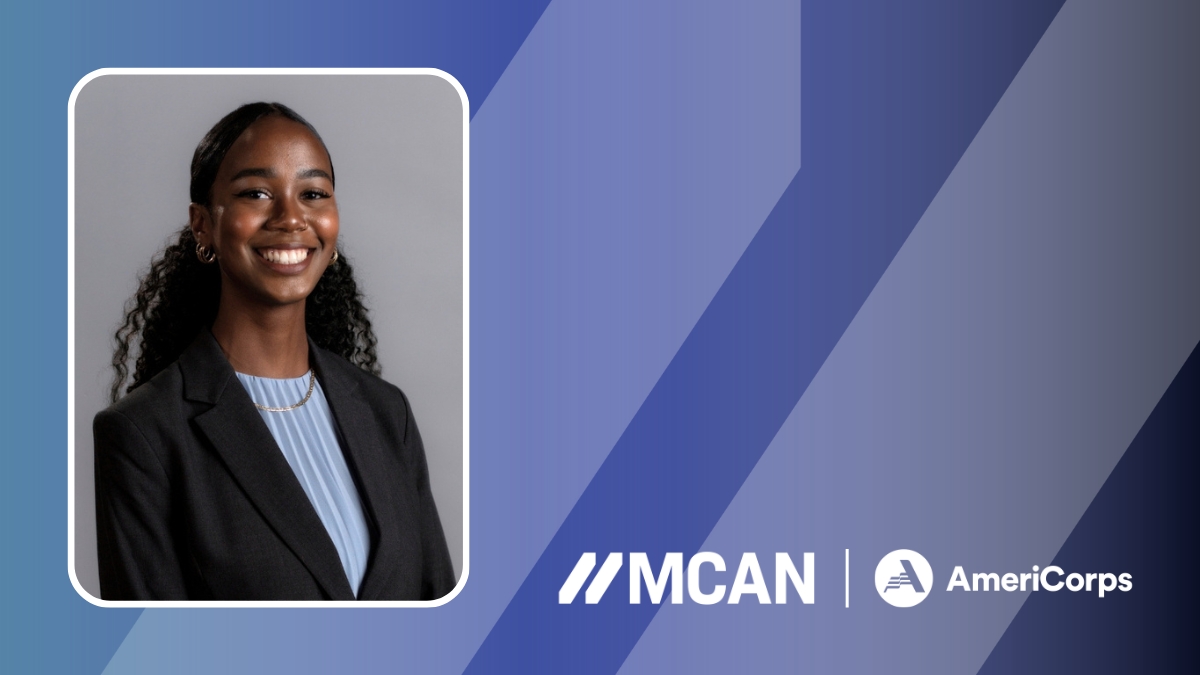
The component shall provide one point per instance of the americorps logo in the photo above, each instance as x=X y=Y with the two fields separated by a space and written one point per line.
x=903 y=578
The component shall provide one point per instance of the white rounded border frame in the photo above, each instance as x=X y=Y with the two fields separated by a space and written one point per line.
x=466 y=337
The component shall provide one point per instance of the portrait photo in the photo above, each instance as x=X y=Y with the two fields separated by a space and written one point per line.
x=268 y=337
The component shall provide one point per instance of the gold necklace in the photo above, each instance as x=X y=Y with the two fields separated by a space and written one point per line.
x=312 y=384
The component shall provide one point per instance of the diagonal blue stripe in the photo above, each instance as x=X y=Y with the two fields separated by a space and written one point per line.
x=892 y=97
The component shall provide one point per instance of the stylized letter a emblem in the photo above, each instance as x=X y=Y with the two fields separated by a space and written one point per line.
x=906 y=578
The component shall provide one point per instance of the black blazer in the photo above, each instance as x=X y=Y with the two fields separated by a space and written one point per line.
x=195 y=501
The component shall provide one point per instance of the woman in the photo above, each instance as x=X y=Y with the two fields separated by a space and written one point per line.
x=257 y=456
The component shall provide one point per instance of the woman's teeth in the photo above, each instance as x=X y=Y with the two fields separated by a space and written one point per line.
x=284 y=256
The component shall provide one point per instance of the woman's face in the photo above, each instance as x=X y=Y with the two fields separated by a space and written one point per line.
x=272 y=219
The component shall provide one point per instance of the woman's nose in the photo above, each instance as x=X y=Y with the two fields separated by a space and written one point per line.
x=288 y=216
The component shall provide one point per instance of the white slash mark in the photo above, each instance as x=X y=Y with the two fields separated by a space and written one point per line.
x=574 y=582
x=604 y=577
x=583 y=568
x=847 y=578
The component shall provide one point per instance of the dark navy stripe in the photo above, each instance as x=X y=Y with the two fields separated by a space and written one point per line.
x=1141 y=522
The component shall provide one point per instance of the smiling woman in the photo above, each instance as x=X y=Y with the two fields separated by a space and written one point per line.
x=256 y=455
x=270 y=218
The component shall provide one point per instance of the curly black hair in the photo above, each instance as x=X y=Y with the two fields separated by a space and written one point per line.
x=179 y=295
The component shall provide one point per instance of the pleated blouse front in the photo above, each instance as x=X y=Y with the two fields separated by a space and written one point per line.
x=308 y=439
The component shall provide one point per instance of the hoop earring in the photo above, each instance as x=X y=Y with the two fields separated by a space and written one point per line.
x=205 y=254
x=334 y=259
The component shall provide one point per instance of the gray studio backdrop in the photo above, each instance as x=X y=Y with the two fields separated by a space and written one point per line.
x=397 y=146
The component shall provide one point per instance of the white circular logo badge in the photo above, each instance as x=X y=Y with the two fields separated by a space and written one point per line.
x=903 y=578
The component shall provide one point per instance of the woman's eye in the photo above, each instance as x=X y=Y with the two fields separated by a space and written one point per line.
x=316 y=194
x=253 y=194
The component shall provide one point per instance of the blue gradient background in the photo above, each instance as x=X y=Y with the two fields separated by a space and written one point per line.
x=756 y=277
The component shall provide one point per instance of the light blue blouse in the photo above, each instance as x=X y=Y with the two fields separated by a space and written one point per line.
x=307 y=437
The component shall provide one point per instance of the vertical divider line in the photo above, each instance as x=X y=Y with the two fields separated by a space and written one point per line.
x=847 y=578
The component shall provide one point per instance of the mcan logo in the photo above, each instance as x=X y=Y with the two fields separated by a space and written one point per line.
x=903 y=578
x=702 y=572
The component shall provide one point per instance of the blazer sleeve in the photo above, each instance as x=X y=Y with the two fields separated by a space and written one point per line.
x=138 y=557
x=437 y=573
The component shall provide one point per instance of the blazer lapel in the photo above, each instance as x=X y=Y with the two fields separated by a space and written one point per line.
x=238 y=433
x=366 y=455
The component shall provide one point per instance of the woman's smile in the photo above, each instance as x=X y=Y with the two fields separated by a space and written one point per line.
x=286 y=260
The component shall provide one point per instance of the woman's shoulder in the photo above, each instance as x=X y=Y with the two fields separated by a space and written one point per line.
x=144 y=423
x=157 y=399
x=343 y=368
x=379 y=394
